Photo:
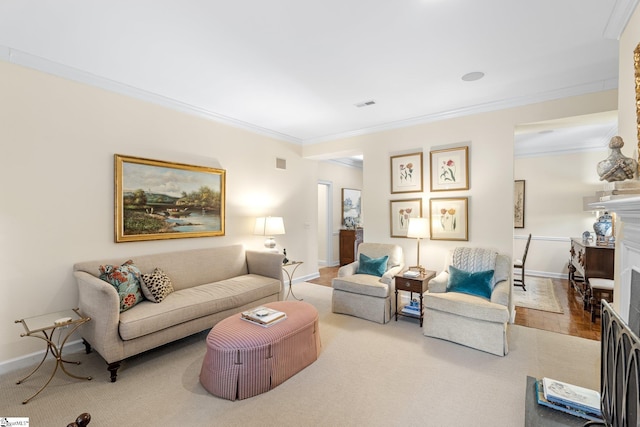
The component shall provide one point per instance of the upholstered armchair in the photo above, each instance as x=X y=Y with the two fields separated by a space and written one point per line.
x=364 y=288
x=470 y=302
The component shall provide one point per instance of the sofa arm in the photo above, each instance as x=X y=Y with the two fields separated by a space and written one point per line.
x=500 y=294
x=100 y=301
x=438 y=284
x=388 y=276
x=268 y=264
x=348 y=269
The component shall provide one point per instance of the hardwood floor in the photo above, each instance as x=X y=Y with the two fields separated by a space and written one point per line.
x=574 y=321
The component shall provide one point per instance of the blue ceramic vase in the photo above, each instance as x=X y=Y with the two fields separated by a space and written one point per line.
x=603 y=227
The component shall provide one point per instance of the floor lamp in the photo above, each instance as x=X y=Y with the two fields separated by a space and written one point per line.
x=419 y=229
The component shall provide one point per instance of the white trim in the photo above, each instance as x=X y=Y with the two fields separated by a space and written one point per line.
x=619 y=18
x=32 y=359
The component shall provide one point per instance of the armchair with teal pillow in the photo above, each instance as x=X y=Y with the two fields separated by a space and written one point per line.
x=364 y=288
x=470 y=302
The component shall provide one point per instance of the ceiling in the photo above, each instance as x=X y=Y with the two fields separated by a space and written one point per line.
x=296 y=70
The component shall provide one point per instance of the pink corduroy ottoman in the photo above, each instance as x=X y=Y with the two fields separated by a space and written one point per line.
x=244 y=360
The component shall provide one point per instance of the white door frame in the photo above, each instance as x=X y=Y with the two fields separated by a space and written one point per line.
x=329 y=223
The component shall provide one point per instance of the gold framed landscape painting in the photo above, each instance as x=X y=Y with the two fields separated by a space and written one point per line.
x=449 y=169
x=401 y=211
x=157 y=200
x=449 y=218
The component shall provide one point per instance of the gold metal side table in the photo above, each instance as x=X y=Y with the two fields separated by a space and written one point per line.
x=44 y=327
x=290 y=274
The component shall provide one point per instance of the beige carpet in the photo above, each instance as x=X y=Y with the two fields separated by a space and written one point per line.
x=367 y=374
x=538 y=296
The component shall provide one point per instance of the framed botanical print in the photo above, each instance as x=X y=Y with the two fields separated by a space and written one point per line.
x=401 y=211
x=518 y=204
x=406 y=173
x=157 y=200
x=449 y=169
x=449 y=218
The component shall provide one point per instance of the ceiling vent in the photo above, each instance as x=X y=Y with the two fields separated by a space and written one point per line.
x=281 y=163
x=365 y=103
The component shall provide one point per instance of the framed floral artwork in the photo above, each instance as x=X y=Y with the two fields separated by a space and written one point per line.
x=157 y=200
x=406 y=173
x=449 y=218
x=449 y=169
x=401 y=211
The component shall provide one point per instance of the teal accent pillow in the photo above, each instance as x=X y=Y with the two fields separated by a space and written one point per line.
x=126 y=279
x=372 y=266
x=479 y=283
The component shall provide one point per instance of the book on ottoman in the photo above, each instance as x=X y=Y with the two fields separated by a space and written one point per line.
x=263 y=316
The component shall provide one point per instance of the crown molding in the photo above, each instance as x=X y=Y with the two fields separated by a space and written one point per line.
x=619 y=18
x=51 y=67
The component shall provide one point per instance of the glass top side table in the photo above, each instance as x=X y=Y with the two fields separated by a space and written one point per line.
x=295 y=265
x=43 y=327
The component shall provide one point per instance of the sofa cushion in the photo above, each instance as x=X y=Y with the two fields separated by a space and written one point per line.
x=156 y=286
x=478 y=283
x=363 y=284
x=126 y=279
x=467 y=306
x=373 y=266
x=192 y=303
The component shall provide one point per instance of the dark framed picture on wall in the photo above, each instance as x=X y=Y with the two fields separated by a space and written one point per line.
x=351 y=208
x=518 y=203
x=157 y=200
x=406 y=173
x=401 y=211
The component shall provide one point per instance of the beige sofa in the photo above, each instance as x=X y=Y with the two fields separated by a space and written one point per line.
x=209 y=285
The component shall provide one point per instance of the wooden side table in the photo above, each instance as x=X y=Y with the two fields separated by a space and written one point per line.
x=418 y=284
x=43 y=327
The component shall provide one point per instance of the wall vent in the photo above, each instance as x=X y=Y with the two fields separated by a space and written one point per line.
x=281 y=163
x=365 y=103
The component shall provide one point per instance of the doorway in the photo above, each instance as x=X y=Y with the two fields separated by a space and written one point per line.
x=325 y=221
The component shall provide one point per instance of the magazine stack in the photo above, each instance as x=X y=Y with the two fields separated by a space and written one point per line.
x=412 y=309
x=263 y=316
x=569 y=398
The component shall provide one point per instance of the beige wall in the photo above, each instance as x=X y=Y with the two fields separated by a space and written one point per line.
x=59 y=138
x=554 y=207
x=490 y=138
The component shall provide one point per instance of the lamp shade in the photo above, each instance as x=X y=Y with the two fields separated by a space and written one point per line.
x=418 y=228
x=269 y=226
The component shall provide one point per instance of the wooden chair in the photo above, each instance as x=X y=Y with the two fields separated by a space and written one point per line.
x=519 y=264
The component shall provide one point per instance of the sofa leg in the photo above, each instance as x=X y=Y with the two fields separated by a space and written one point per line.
x=87 y=346
x=113 y=368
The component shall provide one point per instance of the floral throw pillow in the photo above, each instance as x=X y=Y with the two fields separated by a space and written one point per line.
x=126 y=279
x=156 y=286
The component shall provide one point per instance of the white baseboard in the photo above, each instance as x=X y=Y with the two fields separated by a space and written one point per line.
x=34 y=358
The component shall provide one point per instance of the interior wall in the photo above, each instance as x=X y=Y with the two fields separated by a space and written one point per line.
x=490 y=137
x=341 y=177
x=554 y=207
x=58 y=184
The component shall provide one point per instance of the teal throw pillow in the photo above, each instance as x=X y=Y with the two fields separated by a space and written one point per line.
x=126 y=279
x=372 y=266
x=479 y=283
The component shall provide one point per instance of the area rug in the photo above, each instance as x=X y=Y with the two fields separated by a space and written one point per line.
x=538 y=296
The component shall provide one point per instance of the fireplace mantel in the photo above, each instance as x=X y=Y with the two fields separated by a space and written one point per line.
x=627 y=210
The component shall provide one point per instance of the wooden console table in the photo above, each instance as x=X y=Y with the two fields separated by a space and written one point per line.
x=589 y=260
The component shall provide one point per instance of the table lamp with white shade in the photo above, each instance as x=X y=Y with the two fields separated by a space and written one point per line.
x=269 y=226
x=419 y=229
